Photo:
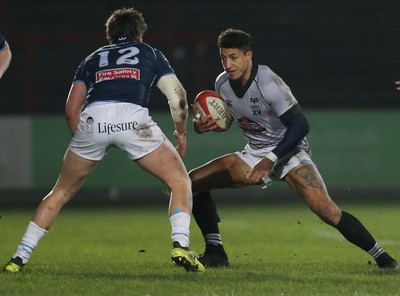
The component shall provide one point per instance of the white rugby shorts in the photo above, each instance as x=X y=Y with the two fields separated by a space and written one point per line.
x=281 y=167
x=124 y=125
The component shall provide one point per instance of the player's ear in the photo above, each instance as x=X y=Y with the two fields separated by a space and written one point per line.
x=249 y=55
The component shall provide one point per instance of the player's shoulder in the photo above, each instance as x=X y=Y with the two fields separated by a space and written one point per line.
x=98 y=50
x=2 y=41
x=265 y=71
x=150 y=50
x=221 y=79
x=266 y=77
x=146 y=46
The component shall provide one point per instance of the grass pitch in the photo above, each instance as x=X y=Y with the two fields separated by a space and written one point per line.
x=273 y=249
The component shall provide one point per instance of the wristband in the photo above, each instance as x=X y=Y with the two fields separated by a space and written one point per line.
x=271 y=156
x=178 y=134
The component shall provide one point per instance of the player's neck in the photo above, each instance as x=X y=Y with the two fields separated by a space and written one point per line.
x=246 y=75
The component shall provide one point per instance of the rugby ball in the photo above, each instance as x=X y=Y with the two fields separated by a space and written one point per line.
x=211 y=103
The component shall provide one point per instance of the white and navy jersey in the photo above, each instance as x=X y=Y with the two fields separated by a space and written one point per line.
x=122 y=72
x=256 y=107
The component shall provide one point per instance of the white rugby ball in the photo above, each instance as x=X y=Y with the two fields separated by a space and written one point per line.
x=211 y=103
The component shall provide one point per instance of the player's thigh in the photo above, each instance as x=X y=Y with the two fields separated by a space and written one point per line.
x=227 y=171
x=74 y=171
x=307 y=182
x=165 y=163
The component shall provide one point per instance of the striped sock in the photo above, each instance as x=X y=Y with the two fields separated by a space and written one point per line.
x=180 y=223
x=29 y=241
x=376 y=251
x=213 y=238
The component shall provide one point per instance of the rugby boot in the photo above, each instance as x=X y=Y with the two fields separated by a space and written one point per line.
x=214 y=256
x=182 y=256
x=14 y=265
x=387 y=262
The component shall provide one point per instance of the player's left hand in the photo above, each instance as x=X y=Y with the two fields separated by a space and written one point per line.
x=261 y=170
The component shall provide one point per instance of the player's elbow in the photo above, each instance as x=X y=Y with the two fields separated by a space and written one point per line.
x=306 y=126
x=172 y=88
x=179 y=109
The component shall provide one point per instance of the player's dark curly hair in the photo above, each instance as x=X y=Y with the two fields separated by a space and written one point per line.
x=125 y=22
x=234 y=38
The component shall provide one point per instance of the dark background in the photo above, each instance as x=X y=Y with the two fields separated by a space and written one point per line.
x=333 y=54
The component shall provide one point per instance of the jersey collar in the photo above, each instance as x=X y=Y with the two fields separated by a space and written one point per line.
x=240 y=91
x=121 y=40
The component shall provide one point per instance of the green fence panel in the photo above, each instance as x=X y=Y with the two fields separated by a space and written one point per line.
x=349 y=147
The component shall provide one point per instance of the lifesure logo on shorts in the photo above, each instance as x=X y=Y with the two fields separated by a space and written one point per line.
x=118 y=73
x=108 y=128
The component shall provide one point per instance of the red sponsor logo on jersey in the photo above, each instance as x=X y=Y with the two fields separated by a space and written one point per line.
x=118 y=73
x=247 y=125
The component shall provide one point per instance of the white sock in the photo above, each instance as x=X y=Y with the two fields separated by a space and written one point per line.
x=180 y=223
x=29 y=241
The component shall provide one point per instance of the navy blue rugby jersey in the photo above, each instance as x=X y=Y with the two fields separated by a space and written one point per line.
x=122 y=72
x=2 y=42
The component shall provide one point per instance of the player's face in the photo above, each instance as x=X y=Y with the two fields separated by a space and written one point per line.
x=237 y=64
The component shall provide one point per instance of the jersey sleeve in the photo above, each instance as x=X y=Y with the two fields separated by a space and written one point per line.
x=162 y=66
x=80 y=74
x=278 y=94
x=3 y=42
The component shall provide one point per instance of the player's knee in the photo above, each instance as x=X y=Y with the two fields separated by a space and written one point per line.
x=330 y=215
x=195 y=181
x=53 y=202
x=181 y=183
x=192 y=174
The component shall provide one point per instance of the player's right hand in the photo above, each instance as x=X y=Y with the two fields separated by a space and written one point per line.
x=202 y=124
x=261 y=170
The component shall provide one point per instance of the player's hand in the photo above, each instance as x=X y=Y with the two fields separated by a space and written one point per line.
x=202 y=125
x=261 y=170
x=398 y=84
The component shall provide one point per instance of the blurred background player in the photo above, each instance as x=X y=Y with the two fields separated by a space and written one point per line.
x=275 y=128
x=5 y=55
x=107 y=105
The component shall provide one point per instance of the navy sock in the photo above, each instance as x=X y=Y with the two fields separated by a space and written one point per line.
x=352 y=229
x=205 y=213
